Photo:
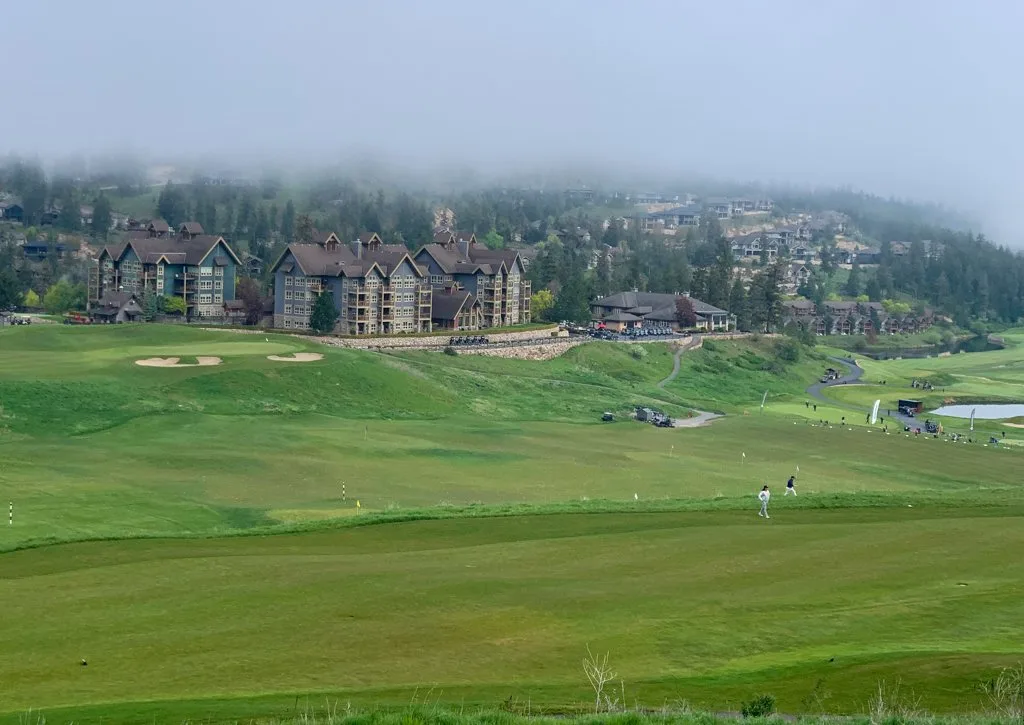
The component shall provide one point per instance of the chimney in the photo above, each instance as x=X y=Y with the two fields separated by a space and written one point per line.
x=463 y=245
x=357 y=249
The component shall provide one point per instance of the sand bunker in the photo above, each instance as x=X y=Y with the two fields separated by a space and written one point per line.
x=297 y=357
x=172 y=362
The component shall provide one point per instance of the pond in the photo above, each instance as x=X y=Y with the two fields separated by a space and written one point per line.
x=980 y=343
x=982 y=411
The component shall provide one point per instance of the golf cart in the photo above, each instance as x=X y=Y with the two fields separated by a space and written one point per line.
x=607 y=417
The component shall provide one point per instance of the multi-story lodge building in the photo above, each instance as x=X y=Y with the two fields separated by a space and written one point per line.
x=197 y=267
x=495 y=278
x=377 y=288
x=853 y=318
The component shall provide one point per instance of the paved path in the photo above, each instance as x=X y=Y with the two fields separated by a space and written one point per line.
x=689 y=345
x=702 y=417
x=854 y=373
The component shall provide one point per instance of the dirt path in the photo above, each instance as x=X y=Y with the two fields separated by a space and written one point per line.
x=689 y=345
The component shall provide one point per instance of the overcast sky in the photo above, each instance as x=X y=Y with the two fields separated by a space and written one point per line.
x=914 y=98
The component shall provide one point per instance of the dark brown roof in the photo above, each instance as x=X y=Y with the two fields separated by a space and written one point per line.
x=316 y=260
x=177 y=251
x=113 y=302
x=159 y=225
x=448 y=305
x=191 y=228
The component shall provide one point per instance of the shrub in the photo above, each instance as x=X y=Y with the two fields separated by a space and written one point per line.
x=788 y=350
x=710 y=345
x=449 y=350
x=760 y=706
x=639 y=352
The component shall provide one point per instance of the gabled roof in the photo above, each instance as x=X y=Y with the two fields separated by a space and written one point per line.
x=191 y=228
x=448 y=305
x=316 y=260
x=174 y=250
x=116 y=301
x=159 y=225
x=620 y=316
x=655 y=300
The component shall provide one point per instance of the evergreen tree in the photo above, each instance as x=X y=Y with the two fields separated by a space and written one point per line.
x=288 y=221
x=738 y=305
x=70 y=212
x=101 y=217
x=852 y=287
x=324 y=314
x=172 y=205
x=304 y=229
x=603 y=275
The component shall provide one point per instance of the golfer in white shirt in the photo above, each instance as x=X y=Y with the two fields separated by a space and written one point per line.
x=764 y=496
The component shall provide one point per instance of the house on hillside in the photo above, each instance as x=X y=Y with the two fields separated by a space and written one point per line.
x=626 y=310
x=756 y=245
x=252 y=265
x=116 y=307
x=11 y=211
x=720 y=207
x=377 y=288
x=39 y=250
x=455 y=261
x=199 y=268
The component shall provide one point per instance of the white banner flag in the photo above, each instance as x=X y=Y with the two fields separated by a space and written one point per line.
x=973 y=411
x=874 y=412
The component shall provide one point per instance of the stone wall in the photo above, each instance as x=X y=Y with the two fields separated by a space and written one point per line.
x=540 y=351
x=428 y=342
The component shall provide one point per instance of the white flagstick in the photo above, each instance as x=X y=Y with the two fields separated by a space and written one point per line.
x=744 y=459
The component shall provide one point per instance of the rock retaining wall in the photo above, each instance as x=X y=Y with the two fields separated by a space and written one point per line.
x=540 y=351
x=431 y=342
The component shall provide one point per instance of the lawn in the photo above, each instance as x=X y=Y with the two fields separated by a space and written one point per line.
x=213 y=567
x=711 y=607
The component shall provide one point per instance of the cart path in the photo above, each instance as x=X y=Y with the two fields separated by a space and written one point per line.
x=702 y=417
x=690 y=344
x=854 y=373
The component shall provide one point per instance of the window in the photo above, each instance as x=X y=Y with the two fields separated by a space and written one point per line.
x=206 y=271
x=436 y=279
x=287 y=294
x=218 y=271
x=288 y=280
x=218 y=298
x=205 y=299
x=206 y=284
x=218 y=284
x=287 y=323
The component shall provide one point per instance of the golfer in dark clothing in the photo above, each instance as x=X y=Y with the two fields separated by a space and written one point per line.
x=789 y=487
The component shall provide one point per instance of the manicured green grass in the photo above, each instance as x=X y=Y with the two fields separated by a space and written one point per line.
x=712 y=607
x=511 y=530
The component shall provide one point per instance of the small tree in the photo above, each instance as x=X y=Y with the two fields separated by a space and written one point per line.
x=64 y=296
x=174 y=305
x=493 y=240
x=150 y=306
x=685 y=314
x=31 y=300
x=599 y=673
x=248 y=291
x=324 y=314
x=541 y=303
x=10 y=295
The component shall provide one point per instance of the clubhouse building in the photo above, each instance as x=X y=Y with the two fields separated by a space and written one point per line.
x=628 y=310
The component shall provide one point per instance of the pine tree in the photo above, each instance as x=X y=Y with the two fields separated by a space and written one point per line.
x=739 y=306
x=288 y=221
x=324 y=314
x=101 y=217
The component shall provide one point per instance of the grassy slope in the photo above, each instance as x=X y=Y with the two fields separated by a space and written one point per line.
x=728 y=604
x=712 y=606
